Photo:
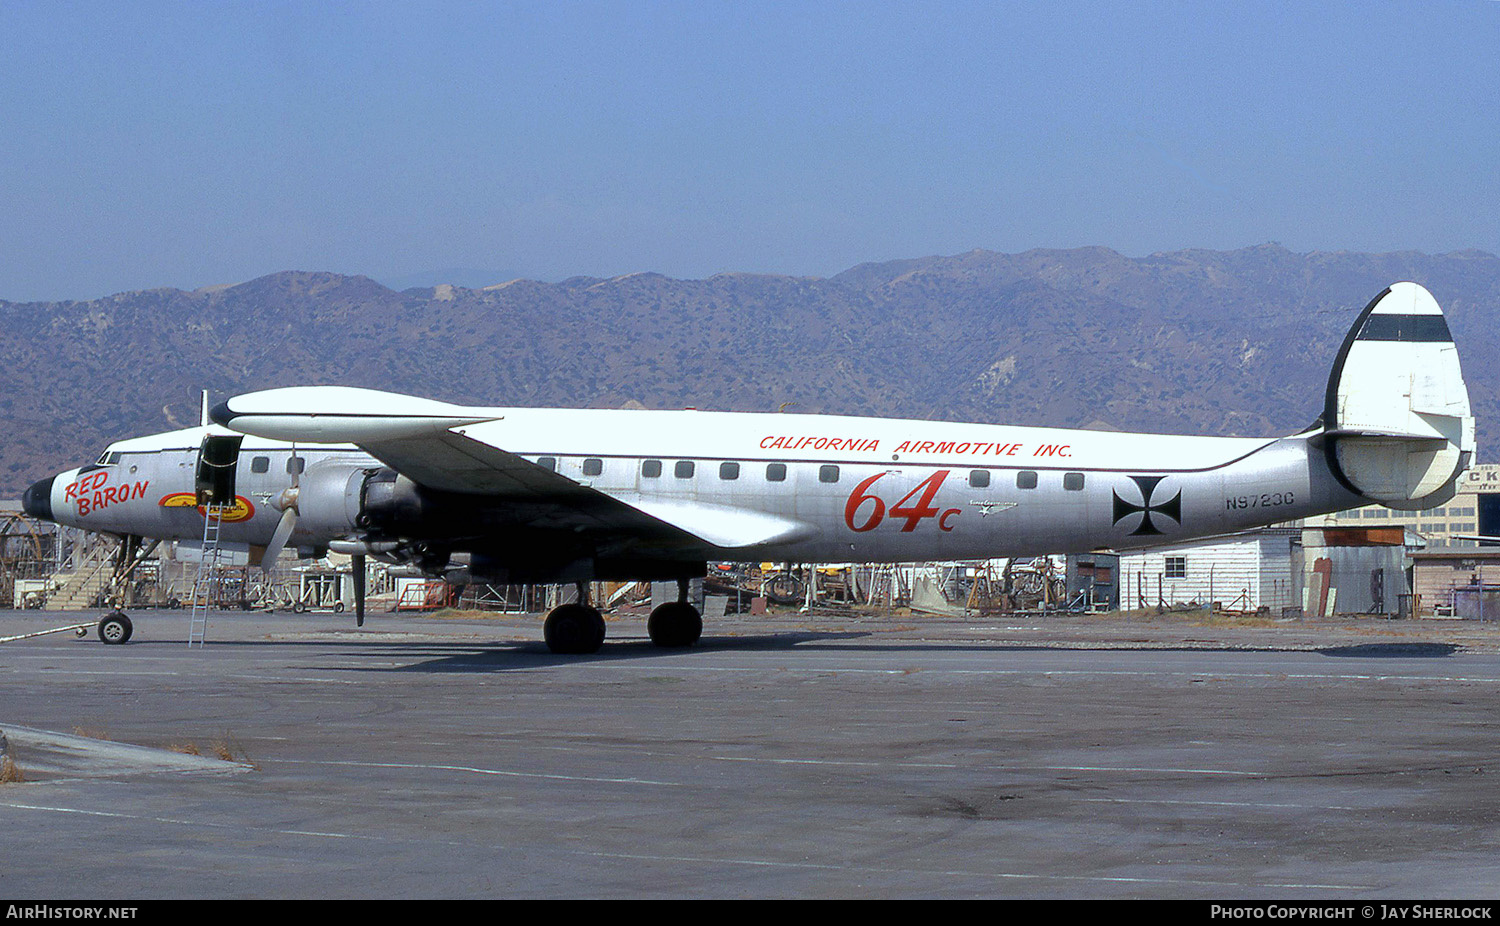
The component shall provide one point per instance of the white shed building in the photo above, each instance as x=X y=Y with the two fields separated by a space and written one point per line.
x=1242 y=572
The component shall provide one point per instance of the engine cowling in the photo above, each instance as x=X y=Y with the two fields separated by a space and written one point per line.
x=392 y=504
x=329 y=499
x=340 y=500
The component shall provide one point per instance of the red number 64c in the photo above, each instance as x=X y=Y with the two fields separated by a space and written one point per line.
x=914 y=506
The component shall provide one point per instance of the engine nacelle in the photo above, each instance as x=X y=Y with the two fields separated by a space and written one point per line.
x=337 y=500
x=329 y=499
x=392 y=504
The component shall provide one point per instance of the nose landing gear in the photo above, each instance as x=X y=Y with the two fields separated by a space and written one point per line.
x=115 y=628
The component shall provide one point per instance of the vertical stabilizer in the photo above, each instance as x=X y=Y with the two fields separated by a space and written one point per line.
x=1398 y=429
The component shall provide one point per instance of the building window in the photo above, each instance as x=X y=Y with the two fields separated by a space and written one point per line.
x=729 y=471
x=683 y=469
x=1026 y=479
x=651 y=468
x=979 y=478
x=1176 y=567
x=776 y=472
x=1073 y=482
x=828 y=473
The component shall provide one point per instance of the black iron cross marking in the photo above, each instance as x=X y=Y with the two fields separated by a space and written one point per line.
x=1172 y=508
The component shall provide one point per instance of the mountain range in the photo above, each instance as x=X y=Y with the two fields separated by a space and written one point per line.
x=1194 y=341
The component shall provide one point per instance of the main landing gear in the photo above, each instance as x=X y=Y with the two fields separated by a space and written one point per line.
x=676 y=623
x=574 y=629
x=578 y=629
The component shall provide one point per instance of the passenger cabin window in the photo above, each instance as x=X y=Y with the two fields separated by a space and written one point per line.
x=549 y=463
x=683 y=469
x=260 y=464
x=729 y=471
x=828 y=473
x=979 y=478
x=295 y=464
x=776 y=472
x=593 y=466
x=1073 y=481
x=1026 y=479
x=651 y=469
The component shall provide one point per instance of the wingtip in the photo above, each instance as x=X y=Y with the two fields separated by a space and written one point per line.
x=220 y=414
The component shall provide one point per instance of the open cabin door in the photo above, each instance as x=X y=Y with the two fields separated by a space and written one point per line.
x=218 y=458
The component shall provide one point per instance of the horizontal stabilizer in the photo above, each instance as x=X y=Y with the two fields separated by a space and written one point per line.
x=1398 y=428
x=1434 y=440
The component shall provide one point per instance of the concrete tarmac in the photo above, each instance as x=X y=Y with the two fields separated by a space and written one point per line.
x=875 y=756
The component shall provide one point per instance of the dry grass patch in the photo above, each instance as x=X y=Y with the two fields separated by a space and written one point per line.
x=10 y=772
x=224 y=748
x=456 y=614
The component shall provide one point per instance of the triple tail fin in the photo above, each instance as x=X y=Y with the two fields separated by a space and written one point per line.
x=1396 y=418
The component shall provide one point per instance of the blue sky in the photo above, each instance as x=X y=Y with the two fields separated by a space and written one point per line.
x=187 y=144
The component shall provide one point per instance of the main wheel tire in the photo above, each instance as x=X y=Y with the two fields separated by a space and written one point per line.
x=675 y=624
x=573 y=630
x=115 y=628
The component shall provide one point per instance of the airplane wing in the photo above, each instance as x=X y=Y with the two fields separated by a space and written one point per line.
x=452 y=461
x=427 y=442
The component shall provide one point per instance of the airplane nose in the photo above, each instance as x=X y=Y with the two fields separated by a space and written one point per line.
x=37 y=501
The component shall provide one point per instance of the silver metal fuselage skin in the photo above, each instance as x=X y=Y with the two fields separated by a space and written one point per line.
x=884 y=491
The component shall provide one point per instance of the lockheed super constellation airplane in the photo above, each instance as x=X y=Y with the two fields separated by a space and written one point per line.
x=527 y=495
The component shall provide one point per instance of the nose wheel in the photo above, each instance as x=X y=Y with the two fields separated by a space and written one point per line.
x=115 y=628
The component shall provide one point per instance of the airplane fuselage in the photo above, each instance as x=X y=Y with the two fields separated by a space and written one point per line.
x=861 y=489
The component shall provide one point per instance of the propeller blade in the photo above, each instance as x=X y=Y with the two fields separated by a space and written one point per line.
x=288 y=523
x=359 y=589
x=283 y=532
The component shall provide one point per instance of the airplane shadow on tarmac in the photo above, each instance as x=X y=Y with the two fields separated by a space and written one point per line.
x=533 y=654
x=1392 y=650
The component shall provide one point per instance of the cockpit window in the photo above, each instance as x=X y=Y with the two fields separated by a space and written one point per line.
x=109 y=458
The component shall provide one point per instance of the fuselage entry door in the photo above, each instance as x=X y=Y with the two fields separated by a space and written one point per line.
x=217 y=460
